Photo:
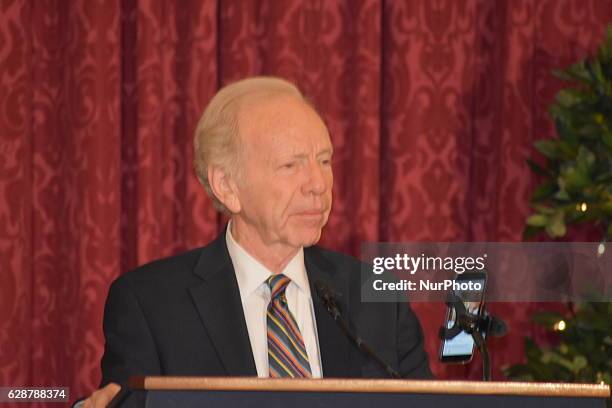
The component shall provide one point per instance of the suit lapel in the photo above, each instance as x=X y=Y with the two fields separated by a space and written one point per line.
x=334 y=346
x=217 y=299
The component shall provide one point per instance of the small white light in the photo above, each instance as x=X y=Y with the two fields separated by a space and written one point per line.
x=560 y=325
x=601 y=249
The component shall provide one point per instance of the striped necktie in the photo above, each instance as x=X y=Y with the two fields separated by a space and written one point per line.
x=286 y=351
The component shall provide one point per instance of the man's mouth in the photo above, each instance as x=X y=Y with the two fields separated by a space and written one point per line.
x=311 y=216
x=311 y=213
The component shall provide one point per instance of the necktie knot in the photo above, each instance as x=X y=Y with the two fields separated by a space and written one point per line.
x=277 y=284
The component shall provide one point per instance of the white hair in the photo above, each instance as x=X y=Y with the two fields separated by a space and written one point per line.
x=216 y=141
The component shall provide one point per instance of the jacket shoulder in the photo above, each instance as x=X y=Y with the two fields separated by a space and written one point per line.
x=334 y=258
x=164 y=272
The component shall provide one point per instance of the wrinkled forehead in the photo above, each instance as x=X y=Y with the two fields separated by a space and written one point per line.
x=262 y=117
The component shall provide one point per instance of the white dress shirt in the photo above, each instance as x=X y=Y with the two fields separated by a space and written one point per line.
x=255 y=296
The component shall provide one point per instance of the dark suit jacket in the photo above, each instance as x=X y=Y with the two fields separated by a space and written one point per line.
x=183 y=316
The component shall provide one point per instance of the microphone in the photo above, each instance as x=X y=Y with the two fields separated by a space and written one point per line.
x=326 y=295
x=497 y=327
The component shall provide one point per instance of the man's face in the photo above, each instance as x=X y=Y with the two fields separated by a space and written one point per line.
x=285 y=189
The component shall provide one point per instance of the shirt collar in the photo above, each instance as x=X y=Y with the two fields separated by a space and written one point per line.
x=250 y=273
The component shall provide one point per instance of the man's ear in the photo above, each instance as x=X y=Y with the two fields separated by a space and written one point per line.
x=224 y=188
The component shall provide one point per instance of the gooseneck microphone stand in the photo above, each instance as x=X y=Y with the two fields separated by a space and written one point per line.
x=326 y=295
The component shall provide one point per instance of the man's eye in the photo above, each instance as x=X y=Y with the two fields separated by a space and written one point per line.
x=288 y=165
x=326 y=162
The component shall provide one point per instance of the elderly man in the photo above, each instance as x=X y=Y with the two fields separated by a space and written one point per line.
x=246 y=304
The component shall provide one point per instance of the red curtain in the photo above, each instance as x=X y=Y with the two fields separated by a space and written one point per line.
x=432 y=105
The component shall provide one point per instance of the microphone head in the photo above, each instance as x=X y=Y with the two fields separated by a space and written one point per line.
x=322 y=290
x=497 y=327
x=325 y=294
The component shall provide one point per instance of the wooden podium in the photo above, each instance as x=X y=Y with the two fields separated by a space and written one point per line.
x=187 y=392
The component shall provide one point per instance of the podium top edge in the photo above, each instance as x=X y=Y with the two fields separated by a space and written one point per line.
x=370 y=386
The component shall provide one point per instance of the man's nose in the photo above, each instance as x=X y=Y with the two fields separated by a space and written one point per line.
x=316 y=182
